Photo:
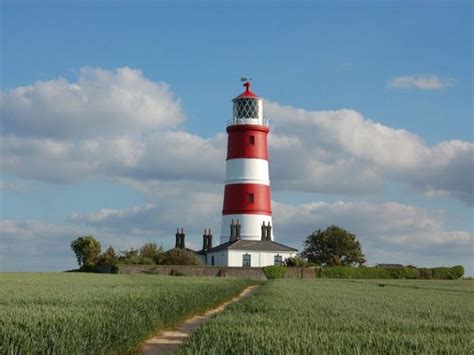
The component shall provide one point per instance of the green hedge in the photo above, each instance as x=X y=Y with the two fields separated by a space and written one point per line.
x=342 y=272
x=275 y=272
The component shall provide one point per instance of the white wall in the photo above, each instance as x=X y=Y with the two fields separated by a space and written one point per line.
x=235 y=257
x=220 y=258
x=258 y=258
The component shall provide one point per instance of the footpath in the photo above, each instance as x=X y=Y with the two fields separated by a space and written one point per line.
x=167 y=341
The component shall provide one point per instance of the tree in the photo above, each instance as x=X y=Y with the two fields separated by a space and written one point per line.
x=87 y=250
x=109 y=257
x=151 y=251
x=333 y=247
x=179 y=256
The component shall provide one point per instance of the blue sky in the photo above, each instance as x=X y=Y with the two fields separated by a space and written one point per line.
x=393 y=65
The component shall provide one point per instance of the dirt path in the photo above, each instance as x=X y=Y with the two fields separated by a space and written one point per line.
x=167 y=341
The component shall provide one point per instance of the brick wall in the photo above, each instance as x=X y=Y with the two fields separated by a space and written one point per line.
x=252 y=273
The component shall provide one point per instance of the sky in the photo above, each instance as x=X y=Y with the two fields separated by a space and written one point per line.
x=113 y=117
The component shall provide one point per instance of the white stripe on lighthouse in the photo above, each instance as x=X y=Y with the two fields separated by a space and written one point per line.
x=244 y=170
x=250 y=226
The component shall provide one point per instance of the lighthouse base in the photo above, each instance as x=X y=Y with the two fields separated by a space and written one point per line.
x=250 y=226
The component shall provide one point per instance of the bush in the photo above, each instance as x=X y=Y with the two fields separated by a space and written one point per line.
x=297 y=261
x=448 y=273
x=180 y=257
x=342 y=272
x=424 y=273
x=275 y=272
x=457 y=272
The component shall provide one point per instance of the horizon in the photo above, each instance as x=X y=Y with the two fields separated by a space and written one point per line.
x=114 y=125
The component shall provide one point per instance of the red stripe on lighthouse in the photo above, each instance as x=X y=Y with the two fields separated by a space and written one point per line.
x=247 y=199
x=247 y=141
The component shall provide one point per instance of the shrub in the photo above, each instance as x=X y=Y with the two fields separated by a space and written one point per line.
x=424 y=273
x=275 y=272
x=342 y=272
x=297 y=261
x=180 y=257
x=457 y=272
x=448 y=273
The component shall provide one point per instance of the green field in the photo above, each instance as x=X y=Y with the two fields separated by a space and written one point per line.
x=344 y=317
x=73 y=313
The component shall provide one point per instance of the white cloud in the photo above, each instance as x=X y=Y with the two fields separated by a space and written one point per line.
x=312 y=151
x=342 y=151
x=381 y=227
x=167 y=155
x=389 y=232
x=102 y=103
x=422 y=82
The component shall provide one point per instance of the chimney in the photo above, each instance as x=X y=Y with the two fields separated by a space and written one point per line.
x=237 y=230
x=232 y=231
x=264 y=231
x=204 y=240
x=182 y=235
x=178 y=241
x=209 y=240
x=269 y=231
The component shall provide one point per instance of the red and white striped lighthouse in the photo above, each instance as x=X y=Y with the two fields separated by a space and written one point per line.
x=247 y=184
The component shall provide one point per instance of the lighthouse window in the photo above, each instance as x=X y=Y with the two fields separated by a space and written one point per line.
x=245 y=108
x=246 y=260
x=251 y=198
x=252 y=140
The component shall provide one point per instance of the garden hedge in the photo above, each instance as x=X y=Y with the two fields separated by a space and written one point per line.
x=274 y=272
x=343 y=272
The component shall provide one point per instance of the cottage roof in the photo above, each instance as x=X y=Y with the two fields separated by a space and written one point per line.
x=252 y=245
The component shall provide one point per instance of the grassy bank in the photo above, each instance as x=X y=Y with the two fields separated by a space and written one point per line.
x=76 y=313
x=344 y=316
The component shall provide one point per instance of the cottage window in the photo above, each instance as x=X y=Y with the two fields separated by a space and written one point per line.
x=277 y=260
x=212 y=260
x=246 y=260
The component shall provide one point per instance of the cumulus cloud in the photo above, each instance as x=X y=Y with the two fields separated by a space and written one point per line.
x=389 y=231
x=165 y=155
x=32 y=245
x=176 y=204
x=422 y=82
x=101 y=103
x=382 y=227
x=330 y=151
x=100 y=134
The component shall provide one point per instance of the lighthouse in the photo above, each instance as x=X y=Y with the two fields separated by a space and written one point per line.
x=247 y=208
x=246 y=238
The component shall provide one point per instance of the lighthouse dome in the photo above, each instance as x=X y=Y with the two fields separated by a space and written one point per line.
x=248 y=108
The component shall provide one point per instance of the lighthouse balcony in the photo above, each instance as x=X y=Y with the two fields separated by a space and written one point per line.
x=243 y=121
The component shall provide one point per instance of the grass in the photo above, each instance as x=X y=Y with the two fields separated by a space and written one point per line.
x=344 y=317
x=74 y=313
